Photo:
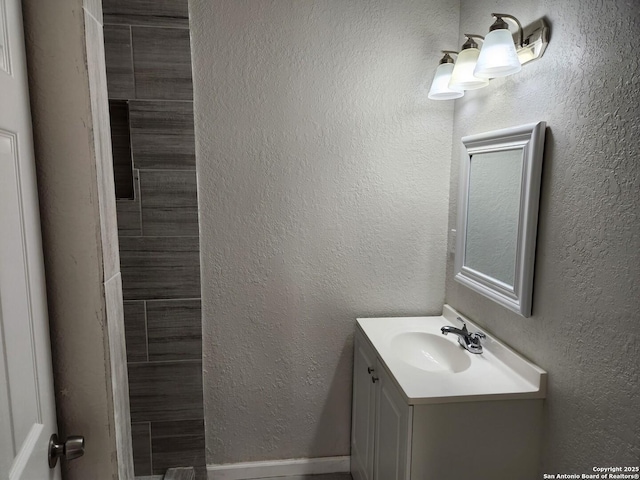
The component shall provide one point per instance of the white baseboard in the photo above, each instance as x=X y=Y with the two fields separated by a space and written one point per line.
x=278 y=468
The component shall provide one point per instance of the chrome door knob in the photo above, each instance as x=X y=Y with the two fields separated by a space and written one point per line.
x=73 y=447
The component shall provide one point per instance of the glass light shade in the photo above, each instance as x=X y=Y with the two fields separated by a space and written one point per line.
x=440 y=86
x=498 y=57
x=462 y=76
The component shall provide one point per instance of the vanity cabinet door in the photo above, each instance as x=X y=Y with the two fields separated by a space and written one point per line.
x=393 y=431
x=363 y=410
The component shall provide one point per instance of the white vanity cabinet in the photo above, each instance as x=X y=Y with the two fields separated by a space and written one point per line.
x=405 y=428
x=392 y=443
x=381 y=420
x=363 y=414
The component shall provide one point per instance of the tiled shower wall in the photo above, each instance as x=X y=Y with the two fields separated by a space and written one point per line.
x=151 y=104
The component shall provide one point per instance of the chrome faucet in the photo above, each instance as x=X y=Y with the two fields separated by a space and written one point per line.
x=470 y=341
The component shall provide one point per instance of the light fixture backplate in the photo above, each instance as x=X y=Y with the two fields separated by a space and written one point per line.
x=535 y=39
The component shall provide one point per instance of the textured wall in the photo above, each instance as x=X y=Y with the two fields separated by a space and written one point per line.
x=585 y=326
x=323 y=174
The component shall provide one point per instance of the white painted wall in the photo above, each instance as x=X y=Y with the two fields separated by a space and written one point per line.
x=323 y=174
x=585 y=328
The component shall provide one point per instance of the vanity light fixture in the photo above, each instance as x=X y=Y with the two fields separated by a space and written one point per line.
x=462 y=76
x=499 y=56
x=440 y=89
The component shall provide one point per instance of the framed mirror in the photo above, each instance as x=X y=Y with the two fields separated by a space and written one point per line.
x=498 y=214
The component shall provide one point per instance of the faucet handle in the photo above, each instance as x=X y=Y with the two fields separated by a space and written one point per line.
x=464 y=324
x=477 y=335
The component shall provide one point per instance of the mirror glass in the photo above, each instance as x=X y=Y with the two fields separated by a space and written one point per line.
x=498 y=214
x=492 y=215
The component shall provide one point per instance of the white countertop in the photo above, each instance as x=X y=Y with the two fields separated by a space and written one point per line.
x=498 y=373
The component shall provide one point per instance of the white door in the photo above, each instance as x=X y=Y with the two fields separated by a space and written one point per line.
x=27 y=411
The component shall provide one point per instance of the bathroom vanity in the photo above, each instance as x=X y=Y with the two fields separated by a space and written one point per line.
x=424 y=408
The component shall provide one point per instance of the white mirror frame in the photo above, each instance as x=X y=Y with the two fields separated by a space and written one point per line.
x=530 y=138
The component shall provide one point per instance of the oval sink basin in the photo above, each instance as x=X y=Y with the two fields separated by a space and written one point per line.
x=430 y=352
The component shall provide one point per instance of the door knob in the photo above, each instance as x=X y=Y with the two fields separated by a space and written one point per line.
x=73 y=447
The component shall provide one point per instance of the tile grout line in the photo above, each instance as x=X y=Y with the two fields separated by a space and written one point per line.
x=133 y=74
x=134 y=171
x=146 y=330
x=160 y=236
x=150 y=448
x=133 y=71
x=139 y=198
x=121 y=237
x=181 y=299
x=135 y=25
x=166 y=362
x=143 y=100
x=170 y=170
x=177 y=420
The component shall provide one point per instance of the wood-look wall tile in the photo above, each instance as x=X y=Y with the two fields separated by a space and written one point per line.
x=165 y=391
x=146 y=20
x=129 y=213
x=177 y=444
x=169 y=203
x=162 y=63
x=119 y=59
x=141 y=436
x=175 y=330
x=162 y=134
x=161 y=8
x=160 y=267
x=135 y=331
x=146 y=12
